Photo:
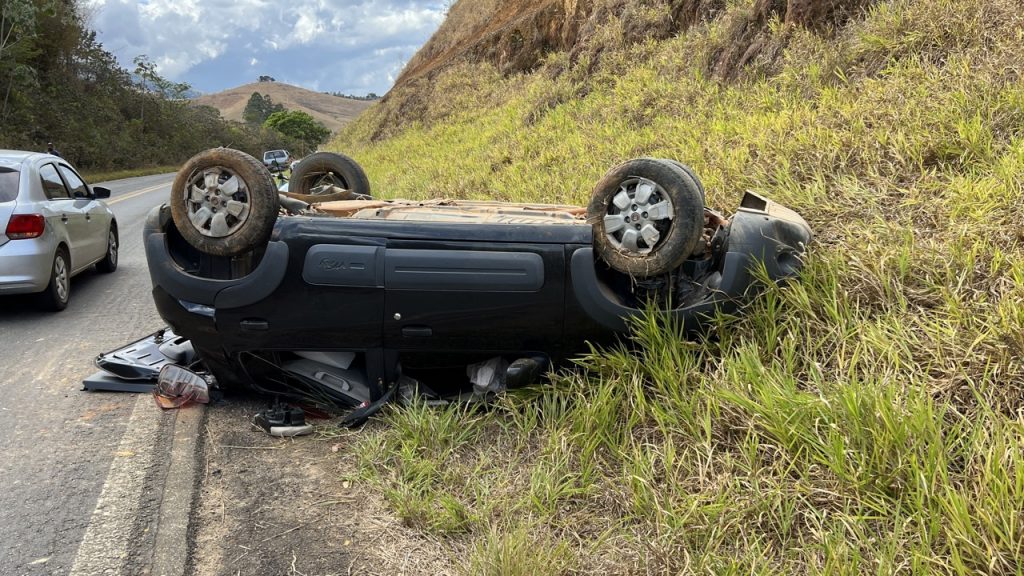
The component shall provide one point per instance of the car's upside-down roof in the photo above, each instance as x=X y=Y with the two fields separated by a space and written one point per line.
x=461 y=211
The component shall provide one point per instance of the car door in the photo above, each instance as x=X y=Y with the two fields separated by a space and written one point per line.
x=96 y=219
x=63 y=215
x=473 y=296
x=330 y=298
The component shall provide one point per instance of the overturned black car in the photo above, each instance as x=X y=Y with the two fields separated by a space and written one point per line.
x=317 y=294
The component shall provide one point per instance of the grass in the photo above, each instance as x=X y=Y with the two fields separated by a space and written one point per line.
x=108 y=175
x=866 y=419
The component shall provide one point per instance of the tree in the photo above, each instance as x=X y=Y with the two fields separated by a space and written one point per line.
x=17 y=27
x=58 y=83
x=152 y=81
x=253 y=113
x=267 y=79
x=299 y=125
x=259 y=108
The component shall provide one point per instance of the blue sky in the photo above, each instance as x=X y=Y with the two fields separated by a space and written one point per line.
x=354 y=47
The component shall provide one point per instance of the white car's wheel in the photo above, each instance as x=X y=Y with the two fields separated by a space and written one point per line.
x=109 y=262
x=58 y=291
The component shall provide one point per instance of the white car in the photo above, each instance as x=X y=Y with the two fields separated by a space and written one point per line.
x=276 y=160
x=52 y=226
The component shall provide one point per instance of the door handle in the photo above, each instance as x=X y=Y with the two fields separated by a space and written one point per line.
x=254 y=325
x=417 y=332
x=88 y=217
x=64 y=218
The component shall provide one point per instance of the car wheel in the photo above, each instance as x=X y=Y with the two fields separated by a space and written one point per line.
x=224 y=202
x=691 y=174
x=109 y=262
x=315 y=174
x=648 y=217
x=58 y=291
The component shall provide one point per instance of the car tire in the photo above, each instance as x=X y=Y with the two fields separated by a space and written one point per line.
x=224 y=202
x=648 y=217
x=109 y=262
x=58 y=291
x=691 y=174
x=339 y=169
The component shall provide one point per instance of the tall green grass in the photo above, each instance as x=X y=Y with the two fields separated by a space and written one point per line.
x=866 y=419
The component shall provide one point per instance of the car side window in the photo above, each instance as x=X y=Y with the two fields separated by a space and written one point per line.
x=53 y=186
x=75 y=184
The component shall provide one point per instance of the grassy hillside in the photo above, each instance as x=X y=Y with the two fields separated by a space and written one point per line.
x=866 y=419
x=333 y=111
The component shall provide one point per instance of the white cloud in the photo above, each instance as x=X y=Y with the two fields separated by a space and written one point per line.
x=355 y=45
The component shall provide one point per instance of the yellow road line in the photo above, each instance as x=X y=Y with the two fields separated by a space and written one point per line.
x=138 y=193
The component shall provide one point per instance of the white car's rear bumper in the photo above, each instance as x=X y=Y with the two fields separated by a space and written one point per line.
x=25 y=265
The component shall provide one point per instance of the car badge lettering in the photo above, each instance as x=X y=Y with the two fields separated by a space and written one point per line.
x=331 y=264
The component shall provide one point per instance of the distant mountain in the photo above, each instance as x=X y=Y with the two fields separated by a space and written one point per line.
x=333 y=111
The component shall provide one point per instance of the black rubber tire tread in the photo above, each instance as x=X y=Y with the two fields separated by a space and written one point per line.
x=48 y=298
x=107 y=265
x=683 y=235
x=301 y=181
x=693 y=175
x=263 y=203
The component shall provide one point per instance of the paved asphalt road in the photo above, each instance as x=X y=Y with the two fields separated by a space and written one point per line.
x=57 y=442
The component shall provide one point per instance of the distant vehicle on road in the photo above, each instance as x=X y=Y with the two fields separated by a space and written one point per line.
x=276 y=160
x=52 y=226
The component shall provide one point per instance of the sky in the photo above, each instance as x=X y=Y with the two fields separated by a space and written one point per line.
x=348 y=46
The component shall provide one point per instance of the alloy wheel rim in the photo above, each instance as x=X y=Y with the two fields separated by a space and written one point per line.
x=217 y=201
x=60 y=271
x=638 y=216
x=112 y=247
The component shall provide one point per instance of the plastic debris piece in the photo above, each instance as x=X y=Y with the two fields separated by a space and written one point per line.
x=142 y=359
x=283 y=421
x=177 y=386
x=488 y=376
x=102 y=381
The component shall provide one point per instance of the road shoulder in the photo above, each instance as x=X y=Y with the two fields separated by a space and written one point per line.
x=171 y=550
x=296 y=506
x=141 y=520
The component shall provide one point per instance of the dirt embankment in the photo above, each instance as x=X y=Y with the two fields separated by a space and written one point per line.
x=515 y=36
x=512 y=37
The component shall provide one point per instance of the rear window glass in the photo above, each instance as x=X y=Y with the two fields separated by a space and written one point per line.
x=276 y=154
x=9 y=184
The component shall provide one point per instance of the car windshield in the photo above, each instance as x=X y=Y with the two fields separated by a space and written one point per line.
x=276 y=154
x=8 y=184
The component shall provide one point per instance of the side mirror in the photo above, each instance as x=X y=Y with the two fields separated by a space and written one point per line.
x=100 y=192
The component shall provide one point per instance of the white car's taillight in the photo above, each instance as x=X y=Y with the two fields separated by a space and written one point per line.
x=22 y=226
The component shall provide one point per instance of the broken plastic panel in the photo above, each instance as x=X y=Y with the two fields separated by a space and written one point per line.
x=489 y=376
x=144 y=358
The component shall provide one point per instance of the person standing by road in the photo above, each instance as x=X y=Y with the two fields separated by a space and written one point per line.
x=51 y=150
